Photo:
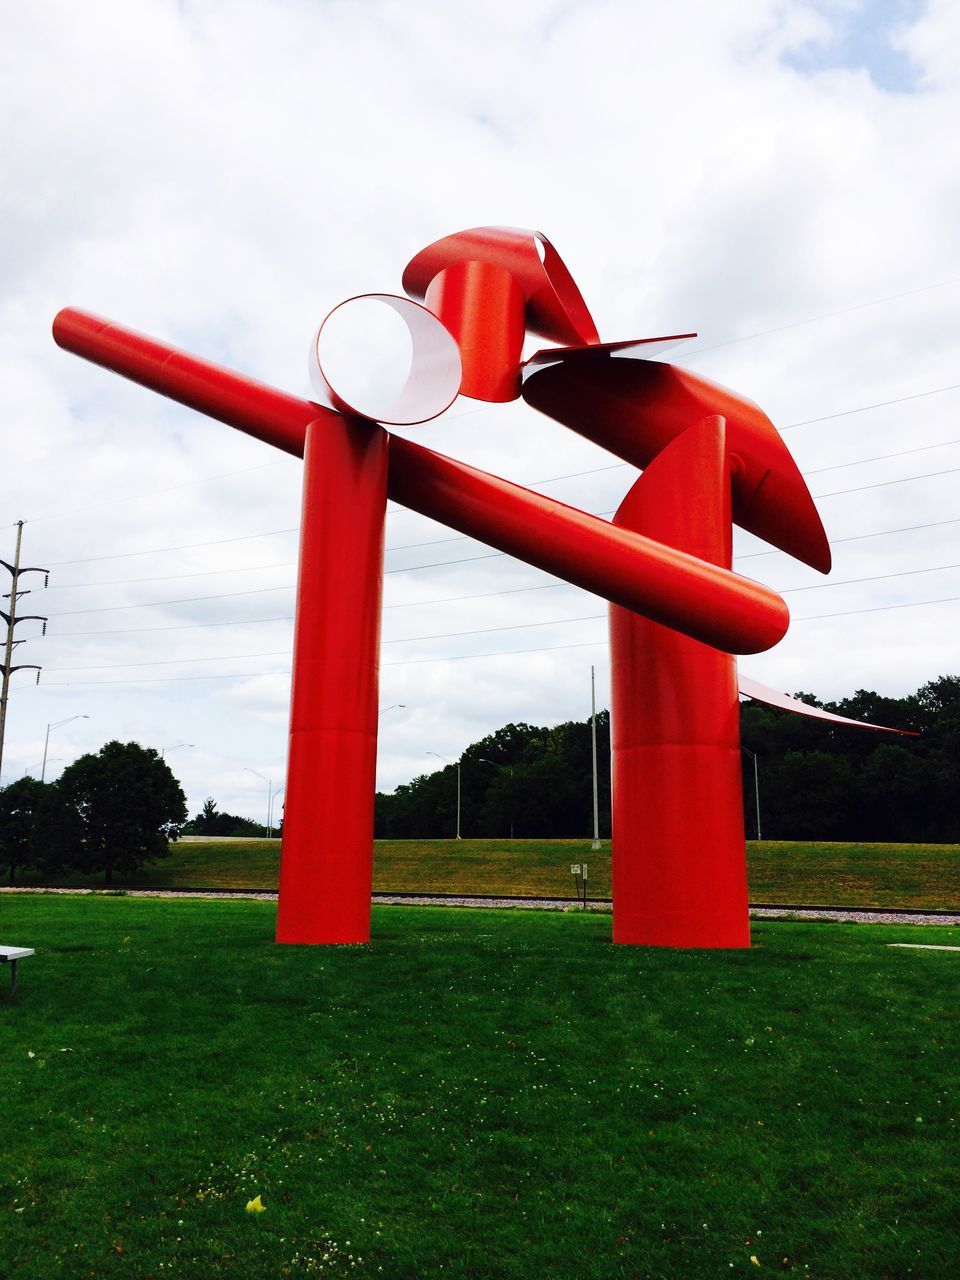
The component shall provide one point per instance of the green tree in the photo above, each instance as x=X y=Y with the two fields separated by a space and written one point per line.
x=19 y=803
x=128 y=805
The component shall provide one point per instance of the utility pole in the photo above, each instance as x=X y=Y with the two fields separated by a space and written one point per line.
x=593 y=736
x=11 y=619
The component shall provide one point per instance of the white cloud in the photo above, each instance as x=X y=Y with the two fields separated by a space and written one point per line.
x=222 y=175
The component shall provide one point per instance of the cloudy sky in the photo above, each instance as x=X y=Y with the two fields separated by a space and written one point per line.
x=782 y=177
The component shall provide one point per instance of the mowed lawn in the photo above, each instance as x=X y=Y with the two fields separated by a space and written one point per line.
x=477 y=1095
x=876 y=875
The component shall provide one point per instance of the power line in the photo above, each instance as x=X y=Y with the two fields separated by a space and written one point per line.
x=573 y=475
x=856 y=537
x=478 y=631
x=466 y=657
x=281 y=653
x=827 y=315
x=880 y=608
x=882 y=484
x=881 y=457
x=443 y=563
x=864 y=408
x=879 y=577
x=186 y=546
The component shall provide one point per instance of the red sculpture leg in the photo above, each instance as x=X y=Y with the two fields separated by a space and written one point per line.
x=679 y=860
x=326 y=865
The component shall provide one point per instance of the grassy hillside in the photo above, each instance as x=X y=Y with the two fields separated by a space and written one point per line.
x=879 y=875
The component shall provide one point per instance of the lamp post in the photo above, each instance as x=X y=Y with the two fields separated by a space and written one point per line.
x=269 y=794
x=176 y=747
x=46 y=742
x=393 y=706
x=457 y=763
x=509 y=769
x=756 y=784
x=593 y=743
x=276 y=797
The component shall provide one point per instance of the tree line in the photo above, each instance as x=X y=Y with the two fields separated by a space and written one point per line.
x=817 y=780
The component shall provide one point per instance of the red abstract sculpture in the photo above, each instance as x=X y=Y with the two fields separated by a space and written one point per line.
x=678 y=612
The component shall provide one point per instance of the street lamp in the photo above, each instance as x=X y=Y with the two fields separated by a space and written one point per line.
x=509 y=768
x=46 y=742
x=269 y=793
x=756 y=785
x=276 y=797
x=393 y=706
x=457 y=763
x=176 y=747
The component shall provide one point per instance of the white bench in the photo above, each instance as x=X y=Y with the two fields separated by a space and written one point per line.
x=10 y=956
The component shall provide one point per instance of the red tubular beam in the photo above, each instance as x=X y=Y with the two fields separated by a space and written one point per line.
x=326 y=863
x=679 y=861
x=250 y=406
x=671 y=587
x=679 y=590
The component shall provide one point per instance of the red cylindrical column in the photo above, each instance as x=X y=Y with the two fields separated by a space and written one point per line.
x=679 y=860
x=484 y=308
x=326 y=865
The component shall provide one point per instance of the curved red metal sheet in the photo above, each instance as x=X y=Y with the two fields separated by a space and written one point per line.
x=641 y=348
x=555 y=306
x=773 y=698
x=635 y=407
x=432 y=382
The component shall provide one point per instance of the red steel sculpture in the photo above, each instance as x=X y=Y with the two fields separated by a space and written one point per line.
x=678 y=613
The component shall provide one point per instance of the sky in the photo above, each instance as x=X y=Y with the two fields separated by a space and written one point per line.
x=780 y=177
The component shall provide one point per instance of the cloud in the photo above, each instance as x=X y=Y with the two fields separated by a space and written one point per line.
x=222 y=175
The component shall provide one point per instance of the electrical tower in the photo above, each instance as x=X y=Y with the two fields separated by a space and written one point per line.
x=11 y=619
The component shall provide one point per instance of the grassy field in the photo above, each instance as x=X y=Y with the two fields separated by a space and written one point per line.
x=478 y=1095
x=878 y=875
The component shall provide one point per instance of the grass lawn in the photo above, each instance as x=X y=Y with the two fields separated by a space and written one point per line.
x=477 y=1095
x=877 y=875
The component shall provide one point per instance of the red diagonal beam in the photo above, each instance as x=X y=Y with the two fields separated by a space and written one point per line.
x=681 y=591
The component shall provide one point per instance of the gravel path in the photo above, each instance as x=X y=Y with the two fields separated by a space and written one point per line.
x=842 y=915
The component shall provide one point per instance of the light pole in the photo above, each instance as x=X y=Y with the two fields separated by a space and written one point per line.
x=276 y=797
x=269 y=793
x=46 y=742
x=593 y=742
x=176 y=747
x=509 y=769
x=393 y=706
x=756 y=784
x=446 y=761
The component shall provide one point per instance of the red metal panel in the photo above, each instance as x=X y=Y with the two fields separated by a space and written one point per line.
x=483 y=307
x=555 y=306
x=326 y=863
x=679 y=862
x=635 y=407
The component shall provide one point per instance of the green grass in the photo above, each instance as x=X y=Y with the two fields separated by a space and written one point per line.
x=478 y=1095
x=878 y=875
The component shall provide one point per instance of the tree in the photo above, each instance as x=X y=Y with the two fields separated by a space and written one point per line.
x=19 y=803
x=211 y=822
x=128 y=806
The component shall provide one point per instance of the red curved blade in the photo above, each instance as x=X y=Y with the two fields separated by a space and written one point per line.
x=555 y=306
x=636 y=407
